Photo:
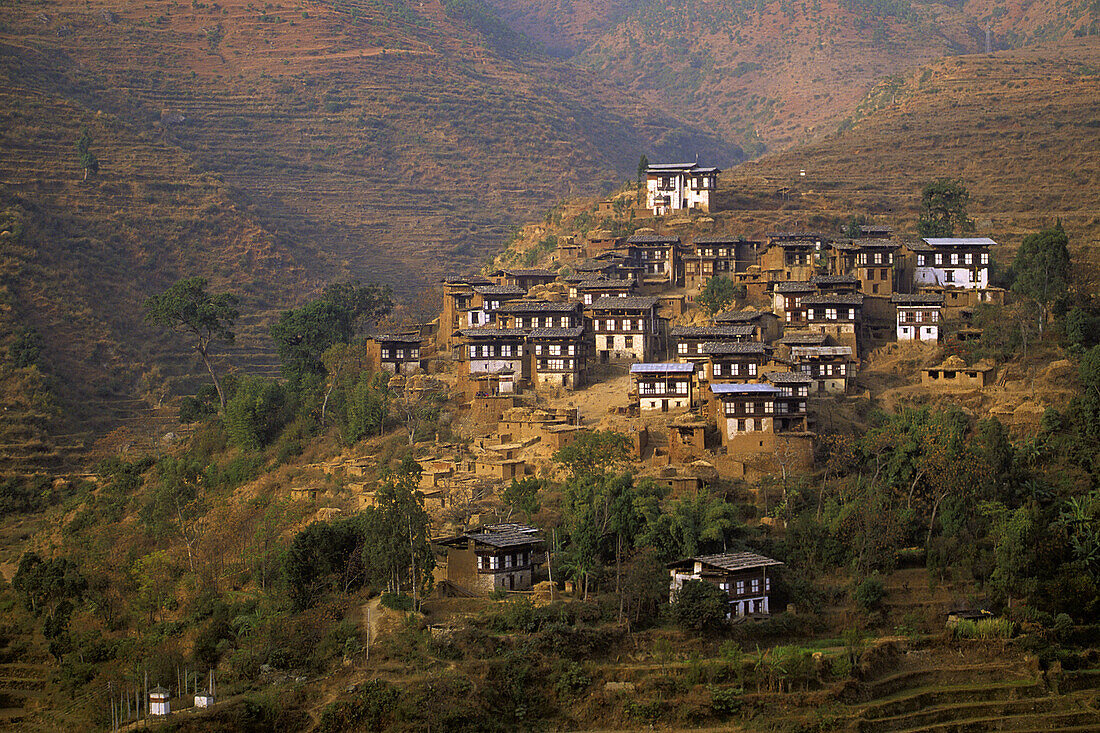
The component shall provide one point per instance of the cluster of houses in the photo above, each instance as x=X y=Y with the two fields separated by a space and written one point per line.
x=751 y=374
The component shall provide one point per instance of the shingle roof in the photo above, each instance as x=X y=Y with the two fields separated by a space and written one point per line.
x=595 y=265
x=540 y=333
x=723 y=240
x=729 y=561
x=499 y=290
x=740 y=316
x=737 y=388
x=652 y=239
x=797 y=351
x=539 y=306
x=468 y=280
x=734 y=347
x=834 y=280
x=801 y=337
x=793 y=286
x=716 y=332
x=788 y=377
x=630 y=302
x=530 y=272
x=603 y=284
x=493 y=332
x=657 y=368
x=929 y=299
x=498 y=535
x=846 y=299
x=405 y=338
x=875 y=229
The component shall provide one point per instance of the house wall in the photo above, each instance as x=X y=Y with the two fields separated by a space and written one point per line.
x=964 y=277
x=491 y=366
x=918 y=332
x=962 y=379
x=664 y=403
x=615 y=344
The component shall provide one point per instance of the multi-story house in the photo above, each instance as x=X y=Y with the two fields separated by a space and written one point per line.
x=871 y=261
x=732 y=361
x=792 y=255
x=589 y=291
x=918 y=316
x=495 y=350
x=397 y=353
x=678 y=186
x=835 y=315
x=658 y=258
x=541 y=314
x=494 y=557
x=664 y=387
x=688 y=342
x=559 y=355
x=458 y=295
x=829 y=366
x=791 y=411
x=718 y=257
x=764 y=323
x=835 y=284
x=764 y=419
x=487 y=300
x=626 y=328
x=525 y=278
x=743 y=576
x=951 y=262
x=787 y=297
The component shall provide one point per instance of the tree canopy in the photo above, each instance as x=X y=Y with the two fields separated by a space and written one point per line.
x=943 y=209
x=718 y=294
x=1042 y=269
x=207 y=318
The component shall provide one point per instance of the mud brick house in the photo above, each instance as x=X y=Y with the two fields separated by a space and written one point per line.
x=541 y=314
x=791 y=411
x=732 y=361
x=752 y=429
x=951 y=262
x=764 y=323
x=835 y=284
x=718 y=257
x=487 y=300
x=837 y=316
x=458 y=295
x=664 y=387
x=954 y=373
x=559 y=355
x=744 y=576
x=960 y=302
x=600 y=240
x=626 y=328
x=524 y=278
x=871 y=261
x=397 y=353
x=787 y=296
x=495 y=350
x=792 y=255
x=679 y=186
x=918 y=316
x=830 y=366
x=688 y=341
x=589 y=291
x=494 y=557
x=687 y=440
x=658 y=257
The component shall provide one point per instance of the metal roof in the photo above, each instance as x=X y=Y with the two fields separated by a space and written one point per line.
x=657 y=368
x=630 y=302
x=735 y=388
x=959 y=241
x=734 y=347
x=537 y=333
x=729 y=561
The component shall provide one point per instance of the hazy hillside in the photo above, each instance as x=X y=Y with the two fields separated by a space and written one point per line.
x=773 y=72
x=275 y=149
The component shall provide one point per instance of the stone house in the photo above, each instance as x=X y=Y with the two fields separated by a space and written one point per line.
x=397 y=353
x=664 y=387
x=494 y=557
x=918 y=316
x=559 y=356
x=679 y=186
x=744 y=576
x=626 y=328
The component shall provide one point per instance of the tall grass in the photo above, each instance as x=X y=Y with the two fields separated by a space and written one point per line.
x=985 y=628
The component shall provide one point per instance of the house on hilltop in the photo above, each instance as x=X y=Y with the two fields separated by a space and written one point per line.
x=493 y=557
x=679 y=186
x=743 y=576
x=960 y=262
x=397 y=353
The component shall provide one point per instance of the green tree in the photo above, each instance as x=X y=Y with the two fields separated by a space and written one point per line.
x=365 y=303
x=26 y=348
x=88 y=161
x=398 y=534
x=1042 y=270
x=302 y=336
x=523 y=496
x=943 y=209
x=206 y=318
x=326 y=556
x=594 y=454
x=701 y=607
x=717 y=294
x=46 y=583
x=365 y=408
x=699 y=524
x=643 y=166
x=256 y=412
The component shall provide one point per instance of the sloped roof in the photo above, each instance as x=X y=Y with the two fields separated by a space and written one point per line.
x=831 y=299
x=497 y=535
x=734 y=347
x=500 y=290
x=467 y=280
x=743 y=316
x=730 y=561
x=528 y=272
x=736 y=388
x=793 y=286
x=803 y=338
x=653 y=239
x=673 y=367
x=959 y=241
x=630 y=302
x=715 y=332
x=575 y=332
x=539 y=306
x=834 y=280
x=493 y=332
x=797 y=351
x=788 y=377
x=404 y=338
x=931 y=299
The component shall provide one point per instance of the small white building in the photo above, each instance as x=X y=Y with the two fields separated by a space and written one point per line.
x=918 y=316
x=960 y=262
x=158 y=701
x=204 y=700
x=678 y=186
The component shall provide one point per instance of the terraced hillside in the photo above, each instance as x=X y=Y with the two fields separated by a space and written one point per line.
x=272 y=150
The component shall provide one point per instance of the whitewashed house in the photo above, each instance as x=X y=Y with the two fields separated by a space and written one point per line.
x=918 y=316
x=952 y=262
x=677 y=186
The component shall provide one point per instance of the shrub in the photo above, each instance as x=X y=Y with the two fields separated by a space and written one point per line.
x=869 y=594
x=256 y=413
x=701 y=606
x=371 y=708
x=1063 y=626
x=397 y=601
x=571 y=680
x=725 y=701
x=984 y=628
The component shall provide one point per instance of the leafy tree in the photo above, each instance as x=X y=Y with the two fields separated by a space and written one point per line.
x=693 y=525
x=701 y=607
x=594 y=454
x=398 y=534
x=852 y=228
x=869 y=593
x=302 y=335
x=88 y=161
x=717 y=294
x=256 y=412
x=365 y=408
x=326 y=556
x=643 y=167
x=943 y=209
x=1014 y=535
x=1042 y=269
x=523 y=496
x=206 y=318
x=1082 y=329
x=26 y=347
x=365 y=303
x=46 y=583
